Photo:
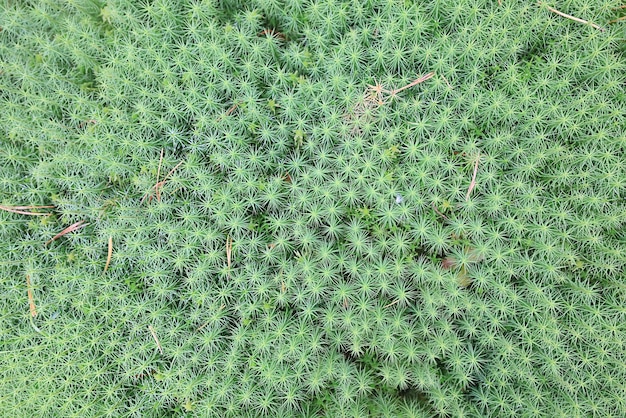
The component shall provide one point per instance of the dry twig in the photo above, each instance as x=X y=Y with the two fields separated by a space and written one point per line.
x=619 y=19
x=413 y=83
x=473 y=183
x=159 y=184
x=575 y=19
x=229 y=250
x=31 y=299
x=201 y=327
x=228 y=112
x=156 y=339
x=392 y=303
x=24 y=210
x=71 y=228
x=440 y=214
x=109 y=254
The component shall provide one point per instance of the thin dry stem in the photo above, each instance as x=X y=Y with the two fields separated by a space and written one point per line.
x=201 y=327
x=71 y=228
x=575 y=19
x=23 y=210
x=156 y=339
x=31 y=299
x=413 y=83
x=392 y=303
x=109 y=254
x=446 y=80
x=229 y=251
x=159 y=184
x=440 y=214
x=619 y=19
x=228 y=112
x=473 y=183
x=158 y=193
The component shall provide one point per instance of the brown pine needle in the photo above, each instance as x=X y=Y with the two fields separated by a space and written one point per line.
x=31 y=299
x=158 y=193
x=24 y=210
x=575 y=19
x=201 y=327
x=159 y=184
x=156 y=339
x=414 y=83
x=447 y=82
x=71 y=228
x=619 y=19
x=473 y=183
x=392 y=303
x=437 y=210
x=109 y=254
x=229 y=251
x=228 y=112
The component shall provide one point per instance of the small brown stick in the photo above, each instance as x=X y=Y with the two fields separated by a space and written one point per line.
x=31 y=299
x=228 y=112
x=575 y=19
x=473 y=183
x=229 y=250
x=413 y=83
x=23 y=210
x=272 y=33
x=619 y=7
x=161 y=183
x=446 y=80
x=619 y=19
x=109 y=254
x=156 y=339
x=93 y=121
x=437 y=210
x=71 y=228
x=158 y=193
x=201 y=327
x=392 y=303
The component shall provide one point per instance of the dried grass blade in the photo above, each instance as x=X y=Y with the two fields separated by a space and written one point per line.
x=23 y=210
x=71 y=228
x=158 y=194
x=109 y=254
x=619 y=19
x=229 y=251
x=473 y=183
x=575 y=19
x=414 y=83
x=31 y=299
x=392 y=303
x=156 y=339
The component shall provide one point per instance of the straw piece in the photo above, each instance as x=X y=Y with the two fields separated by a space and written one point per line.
x=31 y=299
x=22 y=210
x=473 y=183
x=71 y=228
x=156 y=339
x=109 y=255
x=575 y=19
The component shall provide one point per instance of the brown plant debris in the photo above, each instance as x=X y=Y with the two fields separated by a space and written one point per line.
x=74 y=227
x=31 y=299
x=25 y=210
